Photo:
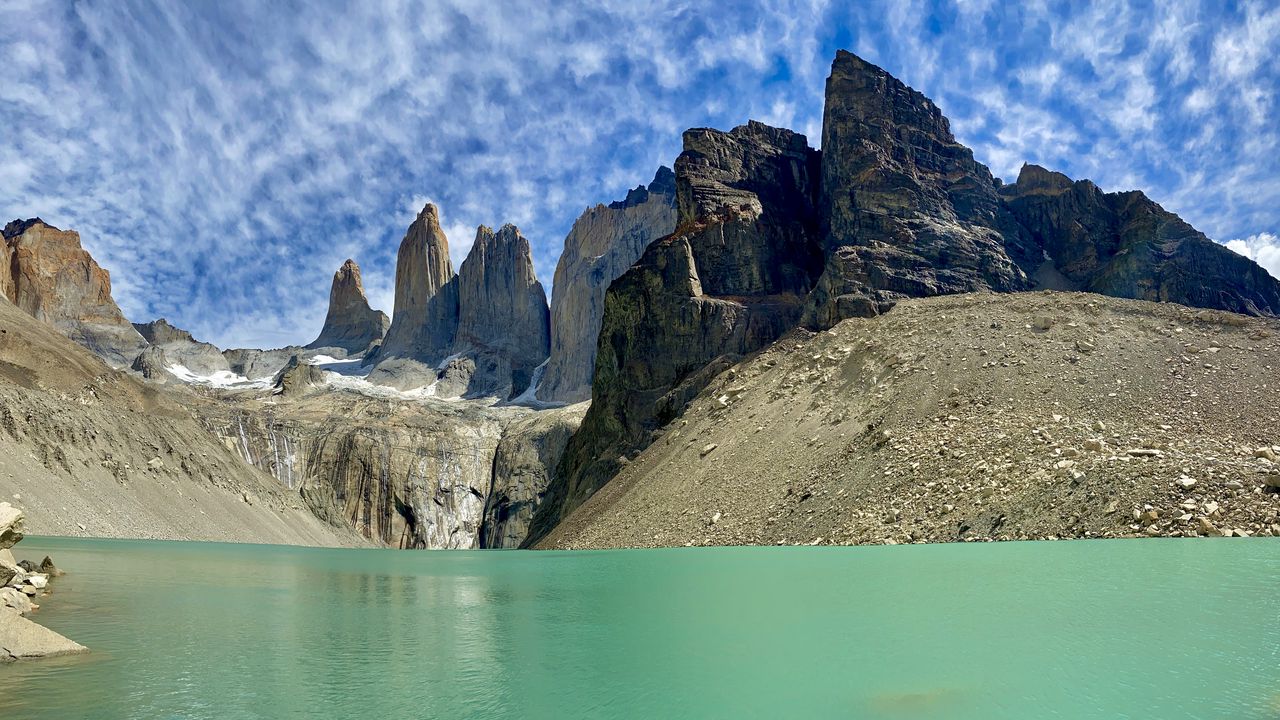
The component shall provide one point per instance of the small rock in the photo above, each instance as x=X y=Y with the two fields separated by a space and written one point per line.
x=1093 y=445
x=155 y=463
x=707 y=449
x=1186 y=483
x=1042 y=323
x=1208 y=528
x=1144 y=452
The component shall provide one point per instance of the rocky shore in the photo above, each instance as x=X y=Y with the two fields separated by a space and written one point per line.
x=21 y=582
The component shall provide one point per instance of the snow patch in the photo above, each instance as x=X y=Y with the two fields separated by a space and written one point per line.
x=220 y=379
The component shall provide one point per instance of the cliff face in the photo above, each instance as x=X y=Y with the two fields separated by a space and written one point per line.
x=417 y=474
x=1124 y=244
x=604 y=242
x=50 y=277
x=731 y=279
x=426 y=312
x=350 y=325
x=503 y=323
x=480 y=333
x=907 y=212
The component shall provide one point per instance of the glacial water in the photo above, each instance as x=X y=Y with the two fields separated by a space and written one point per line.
x=1100 y=629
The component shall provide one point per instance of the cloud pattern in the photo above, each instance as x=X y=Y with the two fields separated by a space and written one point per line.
x=222 y=159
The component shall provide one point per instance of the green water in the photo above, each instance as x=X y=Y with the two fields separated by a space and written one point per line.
x=1123 y=629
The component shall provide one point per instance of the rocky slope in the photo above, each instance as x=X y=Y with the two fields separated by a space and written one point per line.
x=604 y=241
x=350 y=325
x=969 y=417
x=1126 y=245
x=87 y=450
x=49 y=276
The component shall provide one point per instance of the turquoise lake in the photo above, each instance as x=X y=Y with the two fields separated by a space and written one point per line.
x=1152 y=629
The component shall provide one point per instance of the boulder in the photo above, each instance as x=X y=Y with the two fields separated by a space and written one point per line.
x=52 y=278
x=604 y=241
x=10 y=525
x=16 y=600
x=350 y=325
x=296 y=377
x=48 y=568
x=21 y=639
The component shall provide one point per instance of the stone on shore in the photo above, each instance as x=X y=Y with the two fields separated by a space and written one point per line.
x=22 y=639
x=10 y=525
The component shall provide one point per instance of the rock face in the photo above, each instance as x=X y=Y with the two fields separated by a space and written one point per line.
x=604 y=242
x=730 y=280
x=50 y=277
x=503 y=323
x=180 y=348
x=350 y=325
x=480 y=333
x=297 y=376
x=906 y=211
x=1124 y=244
x=420 y=473
x=523 y=465
x=426 y=312
x=260 y=364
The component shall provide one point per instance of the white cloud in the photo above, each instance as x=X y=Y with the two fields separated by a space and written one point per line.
x=1263 y=248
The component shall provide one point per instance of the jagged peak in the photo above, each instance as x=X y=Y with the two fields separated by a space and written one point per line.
x=16 y=227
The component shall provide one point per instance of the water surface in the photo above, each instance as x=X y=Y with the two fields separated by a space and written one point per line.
x=1098 y=629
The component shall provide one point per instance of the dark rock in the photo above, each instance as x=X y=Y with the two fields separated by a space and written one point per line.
x=29 y=566
x=731 y=279
x=350 y=324
x=47 y=567
x=604 y=242
x=907 y=211
x=1125 y=245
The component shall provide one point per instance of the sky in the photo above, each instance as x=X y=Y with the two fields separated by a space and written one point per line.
x=222 y=159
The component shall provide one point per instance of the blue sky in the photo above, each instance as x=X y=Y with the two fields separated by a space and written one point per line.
x=222 y=159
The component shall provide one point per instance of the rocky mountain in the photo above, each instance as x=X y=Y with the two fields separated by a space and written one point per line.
x=350 y=325
x=503 y=321
x=425 y=320
x=772 y=235
x=179 y=347
x=1126 y=245
x=604 y=241
x=49 y=276
x=969 y=417
x=730 y=280
x=906 y=210
x=88 y=450
x=481 y=333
